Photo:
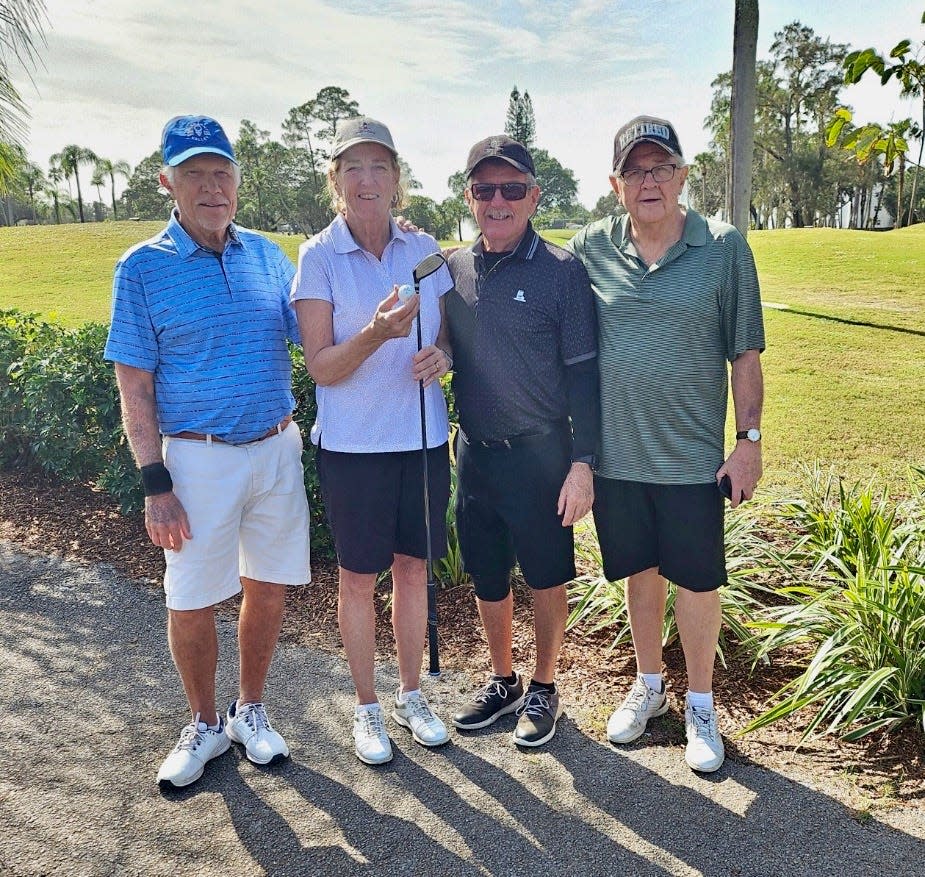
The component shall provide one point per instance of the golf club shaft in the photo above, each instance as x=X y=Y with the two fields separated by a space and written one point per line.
x=433 y=645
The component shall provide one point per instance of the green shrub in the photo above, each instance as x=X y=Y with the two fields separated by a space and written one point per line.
x=859 y=612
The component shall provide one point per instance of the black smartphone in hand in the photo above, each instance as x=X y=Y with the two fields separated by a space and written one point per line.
x=725 y=488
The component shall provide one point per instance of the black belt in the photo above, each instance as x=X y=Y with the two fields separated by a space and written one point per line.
x=512 y=441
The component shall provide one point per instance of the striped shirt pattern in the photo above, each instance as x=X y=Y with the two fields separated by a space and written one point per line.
x=667 y=332
x=211 y=327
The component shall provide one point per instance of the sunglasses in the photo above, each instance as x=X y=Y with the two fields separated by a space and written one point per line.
x=509 y=191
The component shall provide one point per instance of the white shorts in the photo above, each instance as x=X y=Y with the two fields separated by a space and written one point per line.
x=248 y=514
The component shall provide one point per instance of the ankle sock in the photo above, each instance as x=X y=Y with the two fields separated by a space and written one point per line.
x=542 y=686
x=654 y=681
x=701 y=700
x=403 y=696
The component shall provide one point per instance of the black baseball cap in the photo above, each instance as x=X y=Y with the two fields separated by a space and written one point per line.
x=502 y=147
x=645 y=129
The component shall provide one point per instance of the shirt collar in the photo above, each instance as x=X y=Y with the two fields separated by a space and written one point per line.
x=186 y=246
x=524 y=250
x=694 y=233
x=343 y=239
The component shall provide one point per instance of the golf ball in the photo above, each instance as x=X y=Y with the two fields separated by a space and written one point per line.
x=405 y=291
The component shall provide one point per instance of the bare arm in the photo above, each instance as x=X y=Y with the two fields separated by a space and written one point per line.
x=329 y=363
x=743 y=465
x=165 y=517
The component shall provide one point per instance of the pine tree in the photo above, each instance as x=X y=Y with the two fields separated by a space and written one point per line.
x=520 y=122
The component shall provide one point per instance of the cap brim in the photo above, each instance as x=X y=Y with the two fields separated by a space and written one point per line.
x=357 y=140
x=626 y=153
x=514 y=164
x=199 y=150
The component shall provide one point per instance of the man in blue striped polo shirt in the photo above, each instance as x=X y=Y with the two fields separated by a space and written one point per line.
x=200 y=321
x=677 y=299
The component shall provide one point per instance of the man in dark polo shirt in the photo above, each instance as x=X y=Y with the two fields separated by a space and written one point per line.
x=522 y=326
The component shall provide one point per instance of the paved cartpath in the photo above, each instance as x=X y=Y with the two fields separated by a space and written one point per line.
x=90 y=703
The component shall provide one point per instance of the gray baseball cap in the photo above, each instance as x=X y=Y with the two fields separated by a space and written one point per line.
x=361 y=129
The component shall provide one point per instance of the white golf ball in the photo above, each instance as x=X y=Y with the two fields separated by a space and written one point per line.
x=405 y=291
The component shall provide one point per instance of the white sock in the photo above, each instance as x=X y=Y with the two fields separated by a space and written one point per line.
x=701 y=700
x=366 y=707
x=402 y=696
x=654 y=681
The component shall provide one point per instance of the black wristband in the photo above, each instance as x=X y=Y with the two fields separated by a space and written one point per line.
x=156 y=479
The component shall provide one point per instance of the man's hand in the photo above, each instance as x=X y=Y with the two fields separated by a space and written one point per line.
x=166 y=521
x=577 y=494
x=429 y=365
x=743 y=466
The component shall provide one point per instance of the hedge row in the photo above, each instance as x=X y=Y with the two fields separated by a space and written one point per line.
x=59 y=409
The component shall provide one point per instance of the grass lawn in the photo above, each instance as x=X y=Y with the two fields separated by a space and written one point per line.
x=844 y=369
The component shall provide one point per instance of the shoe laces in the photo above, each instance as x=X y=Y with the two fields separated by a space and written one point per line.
x=255 y=714
x=494 y=688
x=371 y=723
x=535 y=704
x=420 y=709
x=703 y=722
x=638 y=698
x=190 y=736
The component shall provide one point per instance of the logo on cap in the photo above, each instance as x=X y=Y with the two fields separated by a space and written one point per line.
x=647 y=129
x=494 y=145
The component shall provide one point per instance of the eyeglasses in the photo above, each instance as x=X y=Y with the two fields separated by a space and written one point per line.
x=509 y=191
x=661 y=173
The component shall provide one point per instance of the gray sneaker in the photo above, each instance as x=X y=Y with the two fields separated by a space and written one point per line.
x=629 y=720
x=538 y=716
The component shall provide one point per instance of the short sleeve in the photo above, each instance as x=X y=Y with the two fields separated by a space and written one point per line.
x=577 y=315
x=312 y=280
x=743 y=321
x=132 y=340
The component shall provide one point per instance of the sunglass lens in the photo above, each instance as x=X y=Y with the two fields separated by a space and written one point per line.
x=509 y=191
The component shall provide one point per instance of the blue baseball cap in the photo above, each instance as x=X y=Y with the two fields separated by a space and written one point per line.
x=186 y=136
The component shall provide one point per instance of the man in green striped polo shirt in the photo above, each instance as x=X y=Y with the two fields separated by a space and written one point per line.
x=677 y=299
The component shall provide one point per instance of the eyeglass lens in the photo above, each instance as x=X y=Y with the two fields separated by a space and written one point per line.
x=661 y=173
x=509 y=191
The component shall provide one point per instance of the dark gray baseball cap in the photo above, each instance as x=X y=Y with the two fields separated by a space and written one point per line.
x=645 y=129
x=501 y=147
x=361 y=129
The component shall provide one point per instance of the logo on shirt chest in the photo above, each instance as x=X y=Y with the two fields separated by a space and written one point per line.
x=520 y=296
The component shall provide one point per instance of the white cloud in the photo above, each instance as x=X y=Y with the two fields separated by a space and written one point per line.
x=438 y=74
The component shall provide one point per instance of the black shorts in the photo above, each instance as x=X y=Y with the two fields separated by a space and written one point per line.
x=375 y=505
x=506 y=510
x=677 y=528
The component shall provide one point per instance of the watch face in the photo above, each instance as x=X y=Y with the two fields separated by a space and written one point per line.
x=753 y=435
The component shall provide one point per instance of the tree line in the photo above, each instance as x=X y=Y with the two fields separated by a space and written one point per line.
x=812 y=162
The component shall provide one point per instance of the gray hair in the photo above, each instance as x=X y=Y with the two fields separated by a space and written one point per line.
x=169 y=171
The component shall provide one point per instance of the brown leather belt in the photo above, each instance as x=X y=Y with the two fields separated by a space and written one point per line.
x=204 y=437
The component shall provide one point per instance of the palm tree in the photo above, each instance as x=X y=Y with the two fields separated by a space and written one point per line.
x=21 y=24
x=55 y=176
x=70 y=159
x=105 y=167
x=34 y=181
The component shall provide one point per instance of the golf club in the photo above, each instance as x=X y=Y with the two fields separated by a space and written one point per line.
x=427 y=266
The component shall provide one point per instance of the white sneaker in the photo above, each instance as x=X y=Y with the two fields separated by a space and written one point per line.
x=198 y=745
x=705 y=752
x=371 y=741
x=416 y=715
x=629 y=720
x=248 y=724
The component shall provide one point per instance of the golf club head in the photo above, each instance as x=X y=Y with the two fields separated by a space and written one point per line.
x=426 y=267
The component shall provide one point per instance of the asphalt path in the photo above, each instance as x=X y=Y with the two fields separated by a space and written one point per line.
x=90 y=704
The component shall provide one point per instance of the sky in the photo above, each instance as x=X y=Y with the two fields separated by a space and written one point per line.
x=438 y=74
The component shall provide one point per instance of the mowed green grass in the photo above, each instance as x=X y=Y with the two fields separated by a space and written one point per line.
x=844 y=368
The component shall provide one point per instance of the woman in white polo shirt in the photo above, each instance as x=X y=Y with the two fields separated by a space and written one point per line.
x=362 y=354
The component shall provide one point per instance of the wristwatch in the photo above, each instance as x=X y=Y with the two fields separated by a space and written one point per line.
x=753 y=435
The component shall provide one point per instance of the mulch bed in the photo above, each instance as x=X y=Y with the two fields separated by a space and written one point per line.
x=42 y=513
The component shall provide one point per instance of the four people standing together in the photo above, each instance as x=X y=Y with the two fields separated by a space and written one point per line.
x=592 y=376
